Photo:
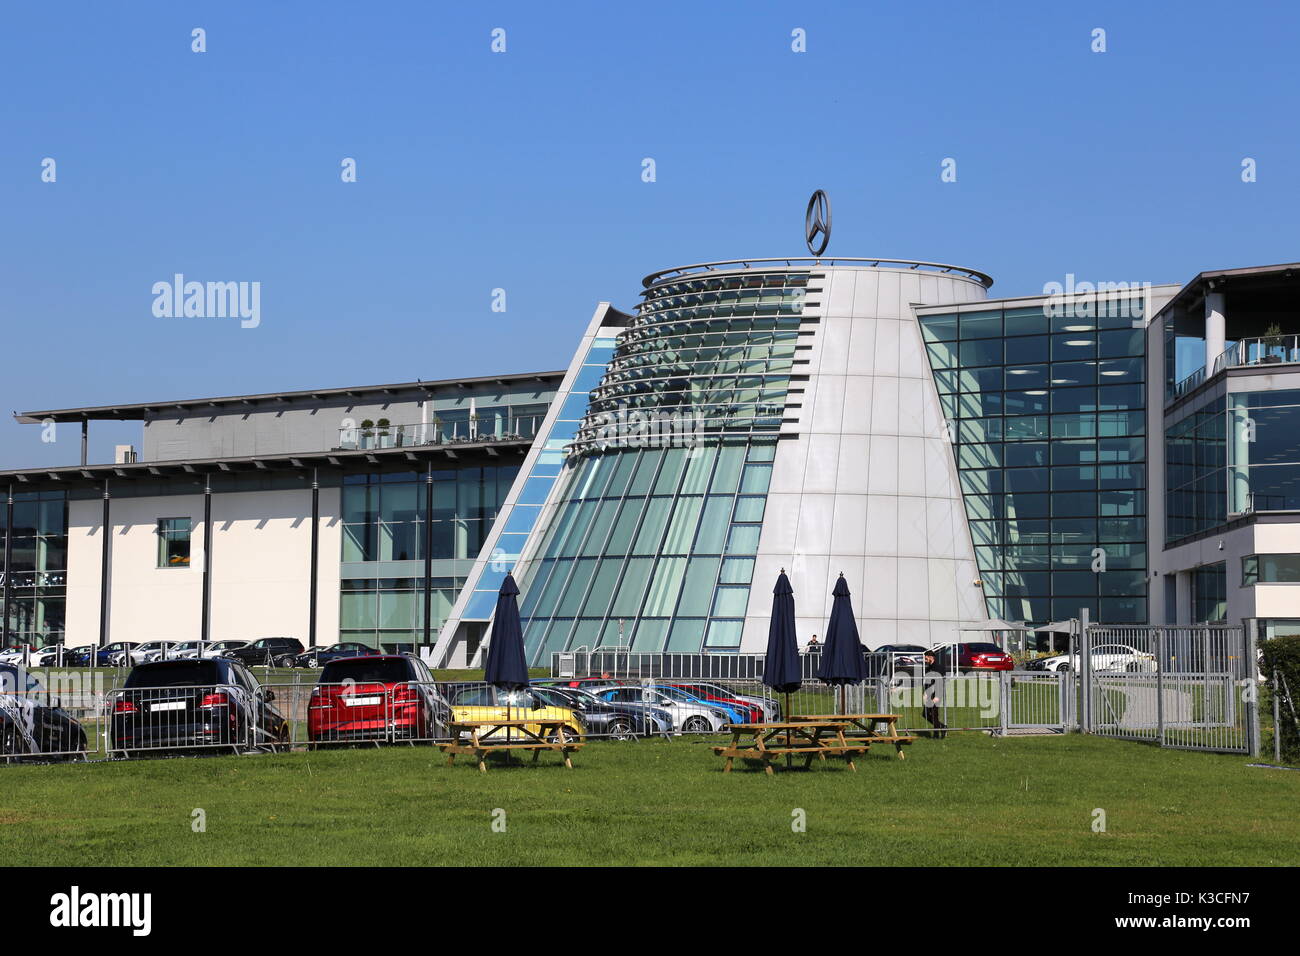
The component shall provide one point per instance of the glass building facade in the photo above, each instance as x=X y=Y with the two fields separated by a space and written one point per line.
x=1046 y=415
x=521 y=517
x=34 y=567
x=1195 y=472
x=652 y=538
x=386 y=532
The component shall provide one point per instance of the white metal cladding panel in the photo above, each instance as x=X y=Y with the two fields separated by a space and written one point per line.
x=868 y=486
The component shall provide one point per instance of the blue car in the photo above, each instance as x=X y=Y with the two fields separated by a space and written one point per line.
x=80 y=656
x=734 y=714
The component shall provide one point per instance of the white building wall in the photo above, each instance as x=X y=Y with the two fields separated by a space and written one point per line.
x=260 y=573
x=865 y=482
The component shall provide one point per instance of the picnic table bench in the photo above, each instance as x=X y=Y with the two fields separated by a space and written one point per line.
x=491 y=735
x=861 y=727
x=805 y=738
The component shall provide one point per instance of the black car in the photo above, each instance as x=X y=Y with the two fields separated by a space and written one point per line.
x=320 y=656
x=604 y=718
x=268 y=652
x=32 y=724
x=182 y=705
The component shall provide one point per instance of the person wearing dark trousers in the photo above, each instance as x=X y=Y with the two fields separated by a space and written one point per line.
x=932 y=697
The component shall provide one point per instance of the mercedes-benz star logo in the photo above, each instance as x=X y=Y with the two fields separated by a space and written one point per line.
x=817 y=223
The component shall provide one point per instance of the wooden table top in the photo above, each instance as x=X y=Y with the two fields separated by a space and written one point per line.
x=819 y=717
x=792 y=725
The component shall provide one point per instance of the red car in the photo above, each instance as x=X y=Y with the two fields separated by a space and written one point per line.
x=753 y=713
x=972 y=657
x=377 y=698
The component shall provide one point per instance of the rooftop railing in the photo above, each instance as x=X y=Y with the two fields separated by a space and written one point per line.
x=1264 y=350
x=502 y=424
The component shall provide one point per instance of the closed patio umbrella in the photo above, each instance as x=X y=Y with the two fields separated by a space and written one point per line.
x=507 y=666
x=842 y=662
x=781 y=669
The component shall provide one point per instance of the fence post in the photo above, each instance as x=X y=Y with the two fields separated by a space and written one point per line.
x=1085 y=684
x=1159 y=637
x=1004 y=699
x=1251 y=699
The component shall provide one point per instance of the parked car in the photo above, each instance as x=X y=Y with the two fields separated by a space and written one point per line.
x=142 y=653
x=320 y=656
x=690 y=715
x=268 y=652
x=892 y=657
x=103 y=656
x=586 y=683
x=47 y=656
x=754 y=709
x=485 y=702
x=1104 y=657
x=16 y=654
x=31 y=722
x=210 y=649
x=603 y=718
x=184 y=705
x=967 y=658
x=377 y=697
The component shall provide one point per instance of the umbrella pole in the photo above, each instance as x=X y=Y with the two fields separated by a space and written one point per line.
x=787 y=730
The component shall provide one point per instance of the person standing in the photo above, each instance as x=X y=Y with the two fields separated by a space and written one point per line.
x=932 y=696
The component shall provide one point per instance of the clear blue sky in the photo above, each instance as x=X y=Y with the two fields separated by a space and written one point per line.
x=523 y=170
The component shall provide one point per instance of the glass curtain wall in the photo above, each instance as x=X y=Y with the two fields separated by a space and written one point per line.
x=1195 y=480
x=1264 y=452
x=38 y=568
x=1047 y=419
x=651 y=542
x=385 y=525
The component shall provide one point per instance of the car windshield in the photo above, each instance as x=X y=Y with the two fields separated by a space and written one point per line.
x=367 y=670
x=175 y=674
x=984 y=649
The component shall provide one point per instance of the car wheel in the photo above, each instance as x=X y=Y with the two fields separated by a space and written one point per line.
x=570 y=736
x=621 y=729
x=313 y=662
x=1062 y=668
x=696 y=725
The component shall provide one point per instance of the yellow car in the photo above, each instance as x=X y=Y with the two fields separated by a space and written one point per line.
x=489 y=703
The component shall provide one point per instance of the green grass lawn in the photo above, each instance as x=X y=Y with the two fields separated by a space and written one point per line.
x=969 y=799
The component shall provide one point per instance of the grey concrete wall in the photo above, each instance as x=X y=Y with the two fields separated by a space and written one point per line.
x=304 y=425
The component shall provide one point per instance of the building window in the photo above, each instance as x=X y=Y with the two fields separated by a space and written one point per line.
x=173 y=542
x=1270 y=569
x=1210 y=593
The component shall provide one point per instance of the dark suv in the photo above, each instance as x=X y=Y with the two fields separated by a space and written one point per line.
x=268 y=652
x=31 y=722
x=181 y=705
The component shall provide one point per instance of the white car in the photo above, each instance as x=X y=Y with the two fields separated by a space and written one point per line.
x=1106 y=657
x=688 y=715
x=209 y=650
x=145 y=653
x=42 y=657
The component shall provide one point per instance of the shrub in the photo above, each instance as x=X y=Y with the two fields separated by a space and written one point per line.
x=1282 y=660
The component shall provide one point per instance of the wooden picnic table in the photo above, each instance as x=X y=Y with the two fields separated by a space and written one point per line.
x=863 y=728
x=806 y=738
x=498 y=734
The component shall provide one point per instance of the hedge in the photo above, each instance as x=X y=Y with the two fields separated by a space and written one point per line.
x=1282 y=657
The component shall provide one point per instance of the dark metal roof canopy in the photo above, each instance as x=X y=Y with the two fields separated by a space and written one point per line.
x=142 y=410
x=336 y=459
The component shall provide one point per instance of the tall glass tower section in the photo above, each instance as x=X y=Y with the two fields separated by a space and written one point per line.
x=1047 y=420
x=652 y=537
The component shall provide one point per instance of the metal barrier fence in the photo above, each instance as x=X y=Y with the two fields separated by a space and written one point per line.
x=1188 y=687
